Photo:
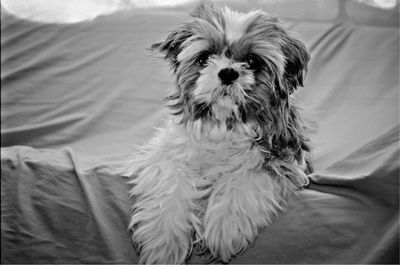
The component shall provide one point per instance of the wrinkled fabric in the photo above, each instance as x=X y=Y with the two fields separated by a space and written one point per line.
x=76 y=98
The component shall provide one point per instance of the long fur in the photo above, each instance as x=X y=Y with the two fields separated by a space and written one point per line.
x=227 y=160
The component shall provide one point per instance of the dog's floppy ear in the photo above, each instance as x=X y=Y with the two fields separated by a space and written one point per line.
x=297 y=57
x=172 y=46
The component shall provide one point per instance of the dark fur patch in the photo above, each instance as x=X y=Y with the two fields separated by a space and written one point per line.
x=297 y=58
x=201 y=110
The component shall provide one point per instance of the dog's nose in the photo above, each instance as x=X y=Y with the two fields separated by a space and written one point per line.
x=228 y=75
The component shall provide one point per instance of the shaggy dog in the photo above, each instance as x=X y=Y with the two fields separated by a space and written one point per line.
x=234 y=147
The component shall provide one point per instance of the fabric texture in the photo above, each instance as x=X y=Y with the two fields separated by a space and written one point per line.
x=75 y=99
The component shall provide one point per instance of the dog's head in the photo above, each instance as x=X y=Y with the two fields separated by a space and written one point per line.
x=233 y=68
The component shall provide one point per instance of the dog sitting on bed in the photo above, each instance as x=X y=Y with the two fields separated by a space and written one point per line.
x=234 y=149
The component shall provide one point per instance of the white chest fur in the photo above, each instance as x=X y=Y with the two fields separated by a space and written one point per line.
x=206 y=181
x=212 y=153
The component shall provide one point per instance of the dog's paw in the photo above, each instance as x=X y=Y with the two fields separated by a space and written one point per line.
x=159 y=246
x=168 y=253
x=301 y=180
x=228 y=235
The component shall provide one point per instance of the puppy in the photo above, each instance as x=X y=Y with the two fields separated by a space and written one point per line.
x=234 y=147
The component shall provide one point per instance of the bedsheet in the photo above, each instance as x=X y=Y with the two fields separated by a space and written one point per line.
x=75 y=98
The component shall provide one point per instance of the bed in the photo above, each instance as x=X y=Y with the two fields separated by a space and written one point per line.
x=76 y=98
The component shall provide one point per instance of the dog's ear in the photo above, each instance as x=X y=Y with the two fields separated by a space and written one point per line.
x=172 y=46
x=296 y=60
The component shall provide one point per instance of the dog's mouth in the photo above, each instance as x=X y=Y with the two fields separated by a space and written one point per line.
x=224 y=105
x=225 y=92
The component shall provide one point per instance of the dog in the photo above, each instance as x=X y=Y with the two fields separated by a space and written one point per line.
x=234 y=147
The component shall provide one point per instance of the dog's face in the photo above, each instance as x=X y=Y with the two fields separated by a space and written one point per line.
x=233 y=67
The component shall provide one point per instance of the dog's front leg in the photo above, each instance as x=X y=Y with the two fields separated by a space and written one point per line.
x=239 y=206
x=163 y=220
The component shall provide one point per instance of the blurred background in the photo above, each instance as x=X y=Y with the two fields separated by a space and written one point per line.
x=72 y=11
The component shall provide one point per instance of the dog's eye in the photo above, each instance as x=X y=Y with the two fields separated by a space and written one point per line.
x=253 y=61
x=203 y=58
